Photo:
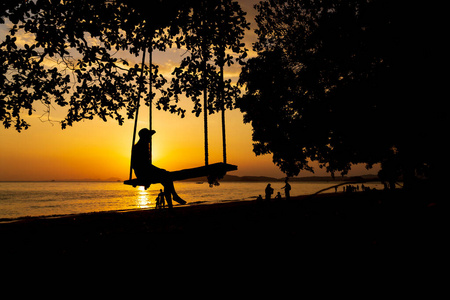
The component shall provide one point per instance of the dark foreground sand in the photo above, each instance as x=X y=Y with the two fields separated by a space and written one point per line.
x=373 y=220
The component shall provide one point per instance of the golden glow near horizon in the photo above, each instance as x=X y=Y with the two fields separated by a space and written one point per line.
x=98 y=150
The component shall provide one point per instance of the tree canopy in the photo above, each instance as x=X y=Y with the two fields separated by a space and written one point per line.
x=73 y=58
x=344 y=82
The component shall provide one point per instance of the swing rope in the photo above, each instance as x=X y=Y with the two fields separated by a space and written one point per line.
x=150 y=104
x=205 y=120
x=222 y=85
x=222 y=103
x=138 y=100
x=205 y=90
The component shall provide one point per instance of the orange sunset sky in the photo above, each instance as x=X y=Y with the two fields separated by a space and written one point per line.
x=98 y=150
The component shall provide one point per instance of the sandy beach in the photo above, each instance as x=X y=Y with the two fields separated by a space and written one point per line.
x=363 y=220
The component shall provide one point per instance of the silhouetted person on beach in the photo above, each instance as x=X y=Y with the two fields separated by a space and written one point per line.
x=278 y=196
x=140 y=162
x=287 y=189
x=269 y=192
x=160 y=202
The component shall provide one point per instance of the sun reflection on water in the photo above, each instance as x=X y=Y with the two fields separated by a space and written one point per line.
x=143 y=198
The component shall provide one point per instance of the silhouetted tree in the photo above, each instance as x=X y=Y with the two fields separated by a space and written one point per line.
x=344 y=82
x=213 y=35
x=70 y=56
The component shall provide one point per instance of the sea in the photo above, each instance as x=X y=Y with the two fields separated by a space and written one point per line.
x=33 y=199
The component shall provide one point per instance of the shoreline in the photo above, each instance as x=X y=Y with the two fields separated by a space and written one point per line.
x=57 y=208
x=362 y=219
x=176 y=205
x=149 y=209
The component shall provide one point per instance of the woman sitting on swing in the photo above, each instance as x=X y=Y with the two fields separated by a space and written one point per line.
x=144 y=170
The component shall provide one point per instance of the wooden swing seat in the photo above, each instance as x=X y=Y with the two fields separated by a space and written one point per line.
x=213 y=169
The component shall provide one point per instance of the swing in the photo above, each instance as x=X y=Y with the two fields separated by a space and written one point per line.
x=213 y=172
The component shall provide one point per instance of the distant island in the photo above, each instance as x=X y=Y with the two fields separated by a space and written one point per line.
x=232 y=178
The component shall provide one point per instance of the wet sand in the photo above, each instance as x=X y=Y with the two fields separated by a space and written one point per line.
x=365 y=220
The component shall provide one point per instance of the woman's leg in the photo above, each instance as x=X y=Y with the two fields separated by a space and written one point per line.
x=169 y=191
